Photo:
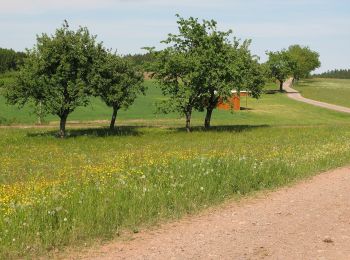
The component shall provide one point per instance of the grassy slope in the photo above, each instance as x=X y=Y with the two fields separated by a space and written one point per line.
x=334 y=91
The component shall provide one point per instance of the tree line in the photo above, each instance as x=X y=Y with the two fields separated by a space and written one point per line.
x=140 y=60
x=336 y=74
x=296 y=61
x=198 y=67
x=10 y=59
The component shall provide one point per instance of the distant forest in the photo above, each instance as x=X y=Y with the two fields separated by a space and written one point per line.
x=335 y=74
x=140 y=60
x=10 y=59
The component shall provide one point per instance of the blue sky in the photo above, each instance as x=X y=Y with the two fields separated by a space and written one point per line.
x=128 y=25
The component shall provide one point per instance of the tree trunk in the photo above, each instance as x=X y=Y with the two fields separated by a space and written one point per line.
x=281 y=86
x=208 y=117
x=188 y=120
x=114 y=117
x=63 y=122
x=40 y=112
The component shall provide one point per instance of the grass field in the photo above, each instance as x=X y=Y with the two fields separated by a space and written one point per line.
x=96 y=184
x=334 y=91
x=144 y=107
x=270 y=109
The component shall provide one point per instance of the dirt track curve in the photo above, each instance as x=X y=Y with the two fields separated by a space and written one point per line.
x=294 y=94
x=310 y=220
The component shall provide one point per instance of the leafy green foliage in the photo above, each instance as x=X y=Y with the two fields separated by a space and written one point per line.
x=335 y=74
x=228 y=67
x=141 y=61
x=305 y=61
x=178 y=68
x=280 y=65
x=10 y=59
x=7 y=78
x=201 y=65
x=57 y=71
x=117 y=83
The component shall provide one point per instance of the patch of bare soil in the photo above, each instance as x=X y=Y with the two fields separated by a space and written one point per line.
x=310 y=220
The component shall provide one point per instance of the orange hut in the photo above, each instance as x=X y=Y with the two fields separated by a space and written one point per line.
x=234 y=102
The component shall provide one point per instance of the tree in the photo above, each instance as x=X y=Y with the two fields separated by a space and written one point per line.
x=248 y=73
x=305 y=61
x=230 y=67
x=216 y=62
x=57 y=72
x=140 y=60
x=117 y=83
x=280 y=65
x=336 y=73
x=178 y=68
x=200 y=67
x=10 y=59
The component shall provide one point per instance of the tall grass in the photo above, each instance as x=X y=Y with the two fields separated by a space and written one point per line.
x=56 y=193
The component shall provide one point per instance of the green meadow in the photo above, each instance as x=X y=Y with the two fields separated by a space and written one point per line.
x=97 y=184
x=269 y=109
x=334 y=91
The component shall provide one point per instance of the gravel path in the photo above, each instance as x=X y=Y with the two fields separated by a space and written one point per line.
x=294 y=94
x=310 y=220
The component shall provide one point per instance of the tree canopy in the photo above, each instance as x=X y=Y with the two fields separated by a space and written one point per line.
x=57 y=72
x=140 y=60
x=200 y=65
x=10 y=59
x=304 y=59
x=335 y=74
x=280 y=66
x=117 y=82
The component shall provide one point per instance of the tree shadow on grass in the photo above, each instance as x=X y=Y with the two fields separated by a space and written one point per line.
x=223 y=128
x=246 y=108
x=273 y=91
x=136 y=130
x=93 y=132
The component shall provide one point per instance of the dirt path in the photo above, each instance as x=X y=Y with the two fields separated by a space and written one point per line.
x=310 y=220
x=294 y=94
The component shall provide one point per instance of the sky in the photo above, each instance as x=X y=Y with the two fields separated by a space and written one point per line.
x=129 y=25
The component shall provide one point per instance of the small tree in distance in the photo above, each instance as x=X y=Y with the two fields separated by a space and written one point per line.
x=280 y=65
x=57 y=72
x=117 y=83
x=305 y=61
